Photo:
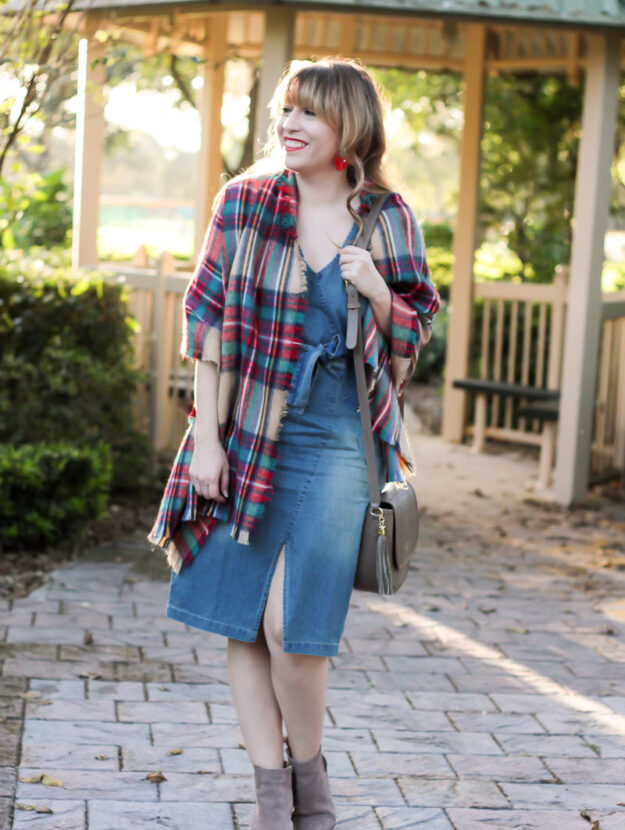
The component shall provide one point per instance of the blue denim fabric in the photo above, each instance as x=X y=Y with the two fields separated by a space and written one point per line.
x=316 y=510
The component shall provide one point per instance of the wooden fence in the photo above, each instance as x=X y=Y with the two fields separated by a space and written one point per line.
x=155 y=299
x=518 y=338
x=608 y=443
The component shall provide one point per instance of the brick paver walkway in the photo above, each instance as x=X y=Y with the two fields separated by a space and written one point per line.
x=490 y=692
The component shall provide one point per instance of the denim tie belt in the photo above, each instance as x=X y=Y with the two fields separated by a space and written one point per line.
x=305 y=374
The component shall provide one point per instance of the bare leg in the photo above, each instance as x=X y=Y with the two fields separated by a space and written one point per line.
x=299 y=680
x=259 y=715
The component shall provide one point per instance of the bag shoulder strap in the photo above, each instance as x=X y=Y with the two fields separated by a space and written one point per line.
x=353 y=297
x=354 y=341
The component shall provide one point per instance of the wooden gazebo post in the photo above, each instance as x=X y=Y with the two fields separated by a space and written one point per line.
x=210 y=165
x=461 y=296
x=278 y=47
x=88 y=153
x=592 y=198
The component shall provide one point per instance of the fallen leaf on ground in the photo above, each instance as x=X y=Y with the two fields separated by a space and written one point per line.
x=41 y=778
x=176 y=751
x=595 y=822
x=42 y=809
x=155 y=777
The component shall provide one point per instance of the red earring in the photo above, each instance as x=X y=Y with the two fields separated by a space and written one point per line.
x=340 y=163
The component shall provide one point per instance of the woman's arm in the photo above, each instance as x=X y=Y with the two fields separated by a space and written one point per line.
x=209 y=470
x=382 y=307
x=400 y=257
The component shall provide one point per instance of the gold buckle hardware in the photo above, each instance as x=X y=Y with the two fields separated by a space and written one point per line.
x=379 y=514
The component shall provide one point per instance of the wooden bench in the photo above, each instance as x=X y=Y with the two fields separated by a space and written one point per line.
x=541 y=411
x=542 y=404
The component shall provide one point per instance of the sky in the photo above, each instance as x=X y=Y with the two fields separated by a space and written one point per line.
x=171 y=126
x=154 y=113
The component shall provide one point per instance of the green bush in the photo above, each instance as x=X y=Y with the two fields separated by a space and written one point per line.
x=440 y=263
x=49 y=491
x=437 y=234
x=439 y=238
x=66 y=361
x=34 y=210
x=431 y=362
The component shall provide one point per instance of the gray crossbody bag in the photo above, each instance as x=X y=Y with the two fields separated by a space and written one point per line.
x=391 y=524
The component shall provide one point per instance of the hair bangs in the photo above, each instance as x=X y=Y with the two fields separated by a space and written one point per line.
x=314 y=87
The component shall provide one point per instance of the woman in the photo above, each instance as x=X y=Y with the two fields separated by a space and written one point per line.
x=263 y=511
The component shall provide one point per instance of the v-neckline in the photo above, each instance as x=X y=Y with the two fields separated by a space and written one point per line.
x=327 y=265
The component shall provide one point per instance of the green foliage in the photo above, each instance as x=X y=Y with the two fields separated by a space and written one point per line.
x=66 y=361
x=529 y=161
x=48 y=492
x=437 y=234
x=440 y=262
x=34 y=209
x=38 y=53
x=613 y=276
x=438 y=238
x=430 y=101
x=162 y=71
x=529 y=156
x=495 y=261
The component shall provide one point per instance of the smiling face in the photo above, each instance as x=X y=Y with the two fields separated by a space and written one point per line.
x=325 y=108
x=309 y=142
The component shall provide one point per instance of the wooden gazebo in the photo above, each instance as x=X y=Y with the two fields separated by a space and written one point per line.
x=475 y=37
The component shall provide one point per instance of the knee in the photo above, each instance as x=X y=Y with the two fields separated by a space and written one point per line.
x=295 y=663
x=272 y=630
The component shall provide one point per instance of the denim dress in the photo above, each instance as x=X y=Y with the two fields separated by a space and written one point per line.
x=316 y=510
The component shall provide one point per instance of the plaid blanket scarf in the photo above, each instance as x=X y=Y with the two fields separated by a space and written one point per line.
x=244 y=309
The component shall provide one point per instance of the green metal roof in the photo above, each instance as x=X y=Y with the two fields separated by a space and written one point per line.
x=603 y=13
x=580 y=13
x=563 y=8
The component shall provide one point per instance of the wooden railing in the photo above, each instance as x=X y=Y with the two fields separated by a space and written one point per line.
x=155 y=300
x=608 y=444
x=518 y=338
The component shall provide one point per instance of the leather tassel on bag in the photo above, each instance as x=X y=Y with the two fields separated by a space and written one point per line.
x=383 y=570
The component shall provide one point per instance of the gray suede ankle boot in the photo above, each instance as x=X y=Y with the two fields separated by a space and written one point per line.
x=312 y=799
x=274 y=799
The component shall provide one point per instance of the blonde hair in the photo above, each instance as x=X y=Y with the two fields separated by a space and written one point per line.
x=342 y=93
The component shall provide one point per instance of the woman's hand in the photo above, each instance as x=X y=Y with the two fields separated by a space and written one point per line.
x=358 y=268
x=209 y=470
